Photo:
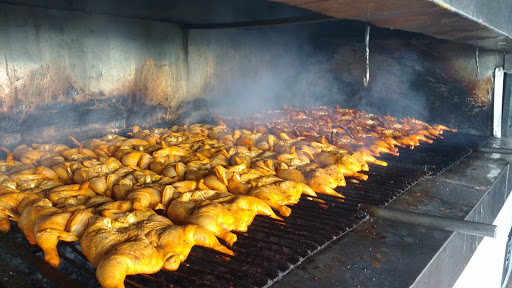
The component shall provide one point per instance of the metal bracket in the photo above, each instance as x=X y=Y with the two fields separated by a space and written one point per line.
x=508 y=63
x=367 y=54
x=477 y=63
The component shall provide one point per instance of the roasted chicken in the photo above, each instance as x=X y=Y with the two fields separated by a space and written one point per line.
x=213 y=180
x=279 y=195
x=140 y=242
x=219 y=212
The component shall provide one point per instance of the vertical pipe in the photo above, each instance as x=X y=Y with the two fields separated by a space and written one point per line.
x=498 y=101
x=184 y=46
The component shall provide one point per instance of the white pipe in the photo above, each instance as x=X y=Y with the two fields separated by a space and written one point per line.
x=498 y=101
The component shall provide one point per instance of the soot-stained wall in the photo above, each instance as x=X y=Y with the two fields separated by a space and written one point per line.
x=72 y=69
x=242 y=71
x=65 y=73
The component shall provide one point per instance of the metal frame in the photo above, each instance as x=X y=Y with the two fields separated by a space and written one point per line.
x=507 y=94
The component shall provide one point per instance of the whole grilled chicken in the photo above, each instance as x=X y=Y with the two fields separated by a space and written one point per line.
x=69 y=194
x=324 y=180
x=46 y=225
x=28 y=221
x=190 y=209
x=244 y=209
x=52 y=227
x=9 y=204
x=218 y=212
x=118 y=248
x=140 y=242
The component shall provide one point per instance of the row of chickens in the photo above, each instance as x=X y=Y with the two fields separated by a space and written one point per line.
x=345 y=128
x=210 y=180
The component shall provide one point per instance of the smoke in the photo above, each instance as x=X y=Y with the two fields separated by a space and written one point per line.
x=265 y=68
x=395 y=84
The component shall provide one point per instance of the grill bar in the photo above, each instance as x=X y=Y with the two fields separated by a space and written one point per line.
x=227 y=265
x=297 y=227
x=154 y=280
x=219 y=276
x=264 y=270
x=295 y=231
x=289 y=237
x=194 y=280
x=23 y=251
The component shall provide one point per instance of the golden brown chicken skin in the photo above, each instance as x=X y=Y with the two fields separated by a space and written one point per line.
x=140 y=242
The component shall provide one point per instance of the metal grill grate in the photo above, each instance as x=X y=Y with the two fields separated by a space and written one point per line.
x=271 y=248
x=436 y=158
